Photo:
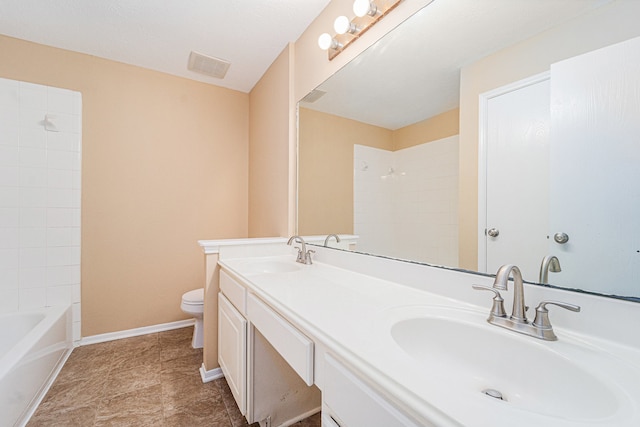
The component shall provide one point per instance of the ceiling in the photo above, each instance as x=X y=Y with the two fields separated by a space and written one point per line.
x=160 y=34
x=413 y=73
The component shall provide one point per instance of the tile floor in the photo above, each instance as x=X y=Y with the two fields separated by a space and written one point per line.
x=150 y=380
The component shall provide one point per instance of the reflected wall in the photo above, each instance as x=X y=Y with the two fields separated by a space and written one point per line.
x=325 y=162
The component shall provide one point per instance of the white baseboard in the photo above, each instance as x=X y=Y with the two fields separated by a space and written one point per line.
x=110 y=336
x=301 y=417
x=211 y=375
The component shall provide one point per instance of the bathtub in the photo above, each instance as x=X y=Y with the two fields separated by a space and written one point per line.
x=33 y=348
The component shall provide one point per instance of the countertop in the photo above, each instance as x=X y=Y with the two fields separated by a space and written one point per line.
x=352 y=314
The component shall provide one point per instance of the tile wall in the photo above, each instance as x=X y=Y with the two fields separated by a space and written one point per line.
x=406 y=201
x=39 y=197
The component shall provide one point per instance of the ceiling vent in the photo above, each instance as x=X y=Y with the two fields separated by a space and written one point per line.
x=208 y=65
x=313 y=96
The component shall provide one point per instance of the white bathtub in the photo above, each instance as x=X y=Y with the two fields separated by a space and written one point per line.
x=33 y=347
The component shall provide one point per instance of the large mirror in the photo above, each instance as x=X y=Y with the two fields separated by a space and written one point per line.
x=394 y=147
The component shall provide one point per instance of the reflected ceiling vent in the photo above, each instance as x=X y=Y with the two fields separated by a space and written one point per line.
x=313 y=96
x=208 y=65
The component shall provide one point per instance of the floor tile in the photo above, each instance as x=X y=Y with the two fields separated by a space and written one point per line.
x=207 y=412
x=151 y=380
x=82 y=416
x=146 y=354
x=127 y=380
x=141 y=407
x=187 y=366
x=74 y=394
x=87 y=361
x=180 y=392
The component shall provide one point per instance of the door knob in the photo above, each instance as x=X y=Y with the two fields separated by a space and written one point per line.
x=493 y=232
x=561 y=238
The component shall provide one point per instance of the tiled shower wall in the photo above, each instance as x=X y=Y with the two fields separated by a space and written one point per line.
x=39 y=197
x=406 y=201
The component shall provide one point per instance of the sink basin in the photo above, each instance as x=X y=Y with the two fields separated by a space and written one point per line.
x=263 y=267
x=531 y=375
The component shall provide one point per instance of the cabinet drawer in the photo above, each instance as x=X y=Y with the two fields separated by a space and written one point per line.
x=351 y=402
x=234 y=291
x=293 y=346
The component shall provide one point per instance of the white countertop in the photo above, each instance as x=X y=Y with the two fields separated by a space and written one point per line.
x=352 y=313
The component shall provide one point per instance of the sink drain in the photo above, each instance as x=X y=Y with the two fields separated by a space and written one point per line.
x=493 y=393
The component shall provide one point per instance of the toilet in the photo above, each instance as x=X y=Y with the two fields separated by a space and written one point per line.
x=193 y=305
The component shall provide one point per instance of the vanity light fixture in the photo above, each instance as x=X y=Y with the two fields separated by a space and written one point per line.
x=326 y=42
x=342 y=25
x=367 y=12
x=364 y=7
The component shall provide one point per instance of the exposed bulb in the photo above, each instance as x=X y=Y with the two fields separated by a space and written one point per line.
x=342 y=24
x=325 y=41
x=364 y=7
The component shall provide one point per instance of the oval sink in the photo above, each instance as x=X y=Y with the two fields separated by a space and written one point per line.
x=531 y=375
x=263 y=267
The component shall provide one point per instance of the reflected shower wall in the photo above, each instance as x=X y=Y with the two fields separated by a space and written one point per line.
x=406 y=201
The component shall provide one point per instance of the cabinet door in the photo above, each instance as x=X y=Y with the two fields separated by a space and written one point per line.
x=232 y=350
x=349 y=402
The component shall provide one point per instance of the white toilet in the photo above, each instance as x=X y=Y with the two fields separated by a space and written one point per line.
x=193 y=305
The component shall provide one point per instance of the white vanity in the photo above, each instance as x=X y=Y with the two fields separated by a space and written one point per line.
x=380 y=342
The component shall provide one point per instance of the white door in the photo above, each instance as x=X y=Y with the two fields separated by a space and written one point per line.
x=514 y=189
x=595 y=169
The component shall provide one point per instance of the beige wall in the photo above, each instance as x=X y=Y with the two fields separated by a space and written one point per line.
x=164 y=164
x=431 y=129
x=269 y=140
x=605 y=26
x=325 y=199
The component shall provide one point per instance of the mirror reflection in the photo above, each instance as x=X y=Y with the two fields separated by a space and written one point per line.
x=456 y=140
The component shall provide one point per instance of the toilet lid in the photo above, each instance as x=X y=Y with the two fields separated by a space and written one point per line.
x=195 y=296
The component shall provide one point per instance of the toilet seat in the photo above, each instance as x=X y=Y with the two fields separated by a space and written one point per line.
x=193 y=304
x=194 y=297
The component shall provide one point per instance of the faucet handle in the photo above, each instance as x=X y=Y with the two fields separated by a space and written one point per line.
x=497 y=310
x=542 y=314
x=307 y=257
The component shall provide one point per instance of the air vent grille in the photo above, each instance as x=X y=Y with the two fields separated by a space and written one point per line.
x=208 y=65
x=313 y=96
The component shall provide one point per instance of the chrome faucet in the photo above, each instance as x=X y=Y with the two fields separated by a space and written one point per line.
x=540 y=327
x=549 y=263
x=304 y=255
x=326 y=241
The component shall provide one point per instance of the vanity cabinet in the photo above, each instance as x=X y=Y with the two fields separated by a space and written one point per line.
x=268 y=362
x=347 y=401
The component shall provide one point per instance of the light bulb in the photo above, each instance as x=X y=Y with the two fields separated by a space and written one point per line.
x=342 y=24
x=363 y=7
x=325 y=41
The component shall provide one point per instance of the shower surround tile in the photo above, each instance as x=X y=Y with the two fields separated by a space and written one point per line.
x=406 y=201
x=39 y=182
